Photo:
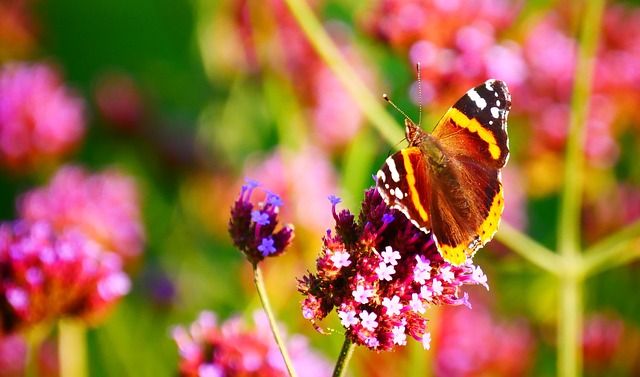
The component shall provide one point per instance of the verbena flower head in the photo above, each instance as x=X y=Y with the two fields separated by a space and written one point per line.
x=381 y=273
x=234 y=348
x=47 y=275
x=104 y=206
x=40 y=118
x=255 y=229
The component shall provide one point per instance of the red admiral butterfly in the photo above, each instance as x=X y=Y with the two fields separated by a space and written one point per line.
x=448 y=182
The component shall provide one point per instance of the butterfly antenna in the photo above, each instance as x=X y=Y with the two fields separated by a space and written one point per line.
x=386 y=98
x=419 y=94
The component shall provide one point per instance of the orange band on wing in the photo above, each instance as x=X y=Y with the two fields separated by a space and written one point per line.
x=411 y=181
x=473 y=126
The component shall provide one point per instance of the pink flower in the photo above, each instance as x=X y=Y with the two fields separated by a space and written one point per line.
x=379 y=303
x=235 y=348
x=104 y=206
x=48 y=274
x=40 y=118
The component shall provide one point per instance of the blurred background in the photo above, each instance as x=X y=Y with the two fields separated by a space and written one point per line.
x=168 y=105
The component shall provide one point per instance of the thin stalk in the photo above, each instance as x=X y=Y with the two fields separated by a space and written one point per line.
x=343 y=360
x=616 y=249
x=569 y=224
x=570 y=316
x=72 y=348
x=570 y=326
x=262 y=293
x=34 y=338
x=528 y=248
x=370 y=105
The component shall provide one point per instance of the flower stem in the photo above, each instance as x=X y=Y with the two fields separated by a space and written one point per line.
x=570 y=316
x=370 y=105
x=616 y=249
x=262 y=293
x=72 y=347
x=343 y=359
x=529 y=248
x=34 y=338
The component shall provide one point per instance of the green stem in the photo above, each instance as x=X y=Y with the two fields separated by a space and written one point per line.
x=529 y=249
x=34 y=338
x=570 y=308
x=343 y=360
x=371 y=106
x=72 y=347
x=262 y=293
x=617 y=249
x=570 y=326
x=569 y=223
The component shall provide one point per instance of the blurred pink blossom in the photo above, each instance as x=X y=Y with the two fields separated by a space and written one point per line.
x=48 y=275
x=235 y=348
x=304 y=179
x=40 y=118
x=104 y=206
x=471 y=342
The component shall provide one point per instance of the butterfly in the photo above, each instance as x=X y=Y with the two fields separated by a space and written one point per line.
x=448 y=182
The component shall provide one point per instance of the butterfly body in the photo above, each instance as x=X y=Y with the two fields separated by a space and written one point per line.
x=448 y=182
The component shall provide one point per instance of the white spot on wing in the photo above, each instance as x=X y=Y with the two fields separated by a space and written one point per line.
x=392 y=168
x=487 y=85
x=381 y=175
x=399 y=194
x=495 y=112
x=497 y=102
x=475 y=97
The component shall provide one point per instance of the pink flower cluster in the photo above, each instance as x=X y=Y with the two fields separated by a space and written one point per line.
x=48 y=274
x=65 y=254
x=381 y=274
x=104 y=206
x=233 y=348
x=40 y=118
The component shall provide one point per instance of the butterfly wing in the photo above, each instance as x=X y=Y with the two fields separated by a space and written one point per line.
x=403 y=184
x=467 y=198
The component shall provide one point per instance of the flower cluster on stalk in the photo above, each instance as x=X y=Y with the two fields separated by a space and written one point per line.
x=381 y=274
x=255 y=230
x=233 y=348
x=65 y=254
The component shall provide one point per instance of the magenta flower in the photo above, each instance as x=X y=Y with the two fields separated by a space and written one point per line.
x=40 y=118
x=105 y=207
x=234 y=348
x=253 y=231
x=394 y=273
x=48 y=274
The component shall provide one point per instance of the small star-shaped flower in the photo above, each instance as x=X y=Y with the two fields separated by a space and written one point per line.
x=385 y=271
x=369 y=320
x=390 y=256
x=266 y=247
x=362 y=295
x=260 y=218
x=340 y=259
x=416 y=304
x=399 y=337
x=348 y=318
x=446 y=274
x=393 y=305
x=437 y=287
x=426 y=341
